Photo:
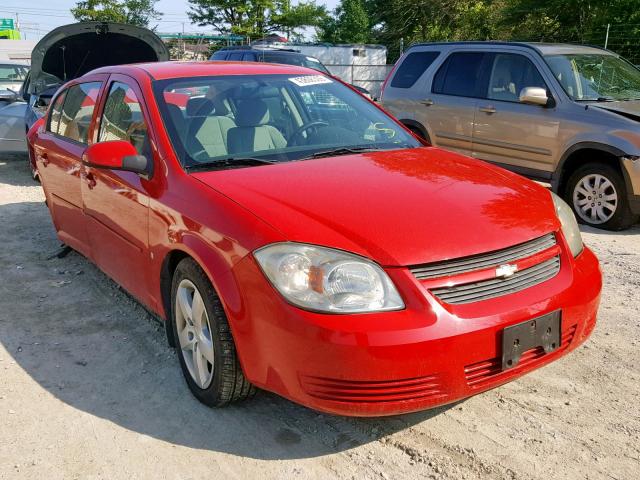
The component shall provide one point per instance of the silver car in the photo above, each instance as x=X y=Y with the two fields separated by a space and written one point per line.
x=564 y=114
x=12 y=111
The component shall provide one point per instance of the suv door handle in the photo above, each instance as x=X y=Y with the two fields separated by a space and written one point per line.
x=489 y=109
x=427 y=102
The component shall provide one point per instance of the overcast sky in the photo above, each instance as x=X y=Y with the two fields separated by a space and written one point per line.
x=37 y=17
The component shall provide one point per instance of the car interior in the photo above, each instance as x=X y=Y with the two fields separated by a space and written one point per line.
x=230 y=119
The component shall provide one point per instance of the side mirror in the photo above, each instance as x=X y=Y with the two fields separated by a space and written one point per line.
x=117 y=155
x=8 y=96
x=534 y=96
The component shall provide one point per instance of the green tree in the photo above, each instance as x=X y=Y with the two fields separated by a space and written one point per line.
x=255 y=17
x=135 y=12
x=348 y=24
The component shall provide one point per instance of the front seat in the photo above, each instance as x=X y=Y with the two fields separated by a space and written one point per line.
x=207 y=133
x=253 y=134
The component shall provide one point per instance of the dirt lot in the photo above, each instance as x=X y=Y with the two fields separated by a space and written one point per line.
x=89 y=389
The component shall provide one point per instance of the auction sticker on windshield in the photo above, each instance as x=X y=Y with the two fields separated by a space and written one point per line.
x=310 y=80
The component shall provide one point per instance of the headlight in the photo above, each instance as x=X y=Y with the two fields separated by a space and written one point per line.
x=327 y=280
x=570 y=228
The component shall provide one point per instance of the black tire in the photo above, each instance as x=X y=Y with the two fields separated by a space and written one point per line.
x=622 y=217
x=229 y=383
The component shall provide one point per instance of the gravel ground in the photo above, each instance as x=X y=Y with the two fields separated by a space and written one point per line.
x=89 y=389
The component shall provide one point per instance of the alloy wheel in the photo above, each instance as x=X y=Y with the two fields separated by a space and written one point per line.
x=194 y=333
x=595 y=199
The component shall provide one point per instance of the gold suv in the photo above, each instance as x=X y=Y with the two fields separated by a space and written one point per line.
x=564 y=114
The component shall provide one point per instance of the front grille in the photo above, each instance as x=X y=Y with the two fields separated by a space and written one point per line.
x=497 y=287
x=486 y=260
x=374 y=391
x=481 y=373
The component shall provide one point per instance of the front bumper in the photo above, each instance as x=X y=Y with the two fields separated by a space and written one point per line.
x=395 y=362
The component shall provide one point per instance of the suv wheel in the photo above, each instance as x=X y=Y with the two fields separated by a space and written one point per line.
x=598 y=195
x=206 y=350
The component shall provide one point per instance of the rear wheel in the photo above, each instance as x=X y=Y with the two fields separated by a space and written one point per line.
x=598 y=195
x=205 y=347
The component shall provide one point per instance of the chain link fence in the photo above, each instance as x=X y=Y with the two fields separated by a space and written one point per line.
x=370 y=77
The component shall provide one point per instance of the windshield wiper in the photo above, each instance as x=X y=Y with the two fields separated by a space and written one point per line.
x=340 y=151
x=229 y=162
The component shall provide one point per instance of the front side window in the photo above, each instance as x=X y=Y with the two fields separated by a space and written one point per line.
x=122 y=118
x=510 y=73
x=77 y=111
x=595 y=77
x=56 y=113
x=277 y=118
x=459 y=75
x=412 y=68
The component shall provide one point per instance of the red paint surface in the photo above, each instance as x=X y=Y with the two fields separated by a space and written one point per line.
x=398 y=208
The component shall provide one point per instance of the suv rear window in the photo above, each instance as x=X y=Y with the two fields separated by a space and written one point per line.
x=459 y=75
x=412 y=68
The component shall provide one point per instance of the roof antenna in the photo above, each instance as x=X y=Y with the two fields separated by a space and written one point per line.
x=64 y=63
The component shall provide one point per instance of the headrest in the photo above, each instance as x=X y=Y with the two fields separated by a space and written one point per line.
x=199 y=107
x=252 y=113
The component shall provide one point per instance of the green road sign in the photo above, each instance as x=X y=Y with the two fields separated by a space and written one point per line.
x=6 y=23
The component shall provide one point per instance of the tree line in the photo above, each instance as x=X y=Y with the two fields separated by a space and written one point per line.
x=395 y=23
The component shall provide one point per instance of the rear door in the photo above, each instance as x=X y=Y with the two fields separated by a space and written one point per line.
x=58 y=152
x=519 y=136
x=450 y=109
x=116 y=203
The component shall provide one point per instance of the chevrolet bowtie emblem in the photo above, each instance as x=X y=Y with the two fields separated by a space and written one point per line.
x=505 y=271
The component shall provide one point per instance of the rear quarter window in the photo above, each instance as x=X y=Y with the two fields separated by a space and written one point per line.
x=412 y=68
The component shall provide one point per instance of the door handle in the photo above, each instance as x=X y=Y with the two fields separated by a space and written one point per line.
x=489 y=109
x=427 y=102
x=91 y=180
x=44 y=158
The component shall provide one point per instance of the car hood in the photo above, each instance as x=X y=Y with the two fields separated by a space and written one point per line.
x=629 y=109
x=70 y=51
x=403 y=207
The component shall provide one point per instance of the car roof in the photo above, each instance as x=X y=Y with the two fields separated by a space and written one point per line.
x=165 y=70
x=261 y=50
x=541 y=47
x=14 y=62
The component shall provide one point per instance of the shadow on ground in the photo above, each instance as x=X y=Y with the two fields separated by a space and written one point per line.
x=90 y=345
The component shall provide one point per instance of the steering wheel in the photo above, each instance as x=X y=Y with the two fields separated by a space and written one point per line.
x=303 y=128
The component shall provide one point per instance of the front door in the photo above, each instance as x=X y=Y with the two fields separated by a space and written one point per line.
x=116 y=203
x=58 y=153
x=521 y=137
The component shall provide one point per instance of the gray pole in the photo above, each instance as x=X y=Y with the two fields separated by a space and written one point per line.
x=606 y=40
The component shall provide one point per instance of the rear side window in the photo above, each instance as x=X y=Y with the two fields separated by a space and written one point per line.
x=412 y=68
x=77 y=111
x=459 y=75
x=56 y=113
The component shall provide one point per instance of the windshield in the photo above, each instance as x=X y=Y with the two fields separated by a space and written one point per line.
x=271 y=118
x=299 y=60
x=13 y=73
x=599 y=77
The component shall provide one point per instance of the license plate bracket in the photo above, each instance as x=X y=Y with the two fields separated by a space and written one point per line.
x=542 y=332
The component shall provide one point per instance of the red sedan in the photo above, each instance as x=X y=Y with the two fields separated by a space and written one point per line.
x=296 y=238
